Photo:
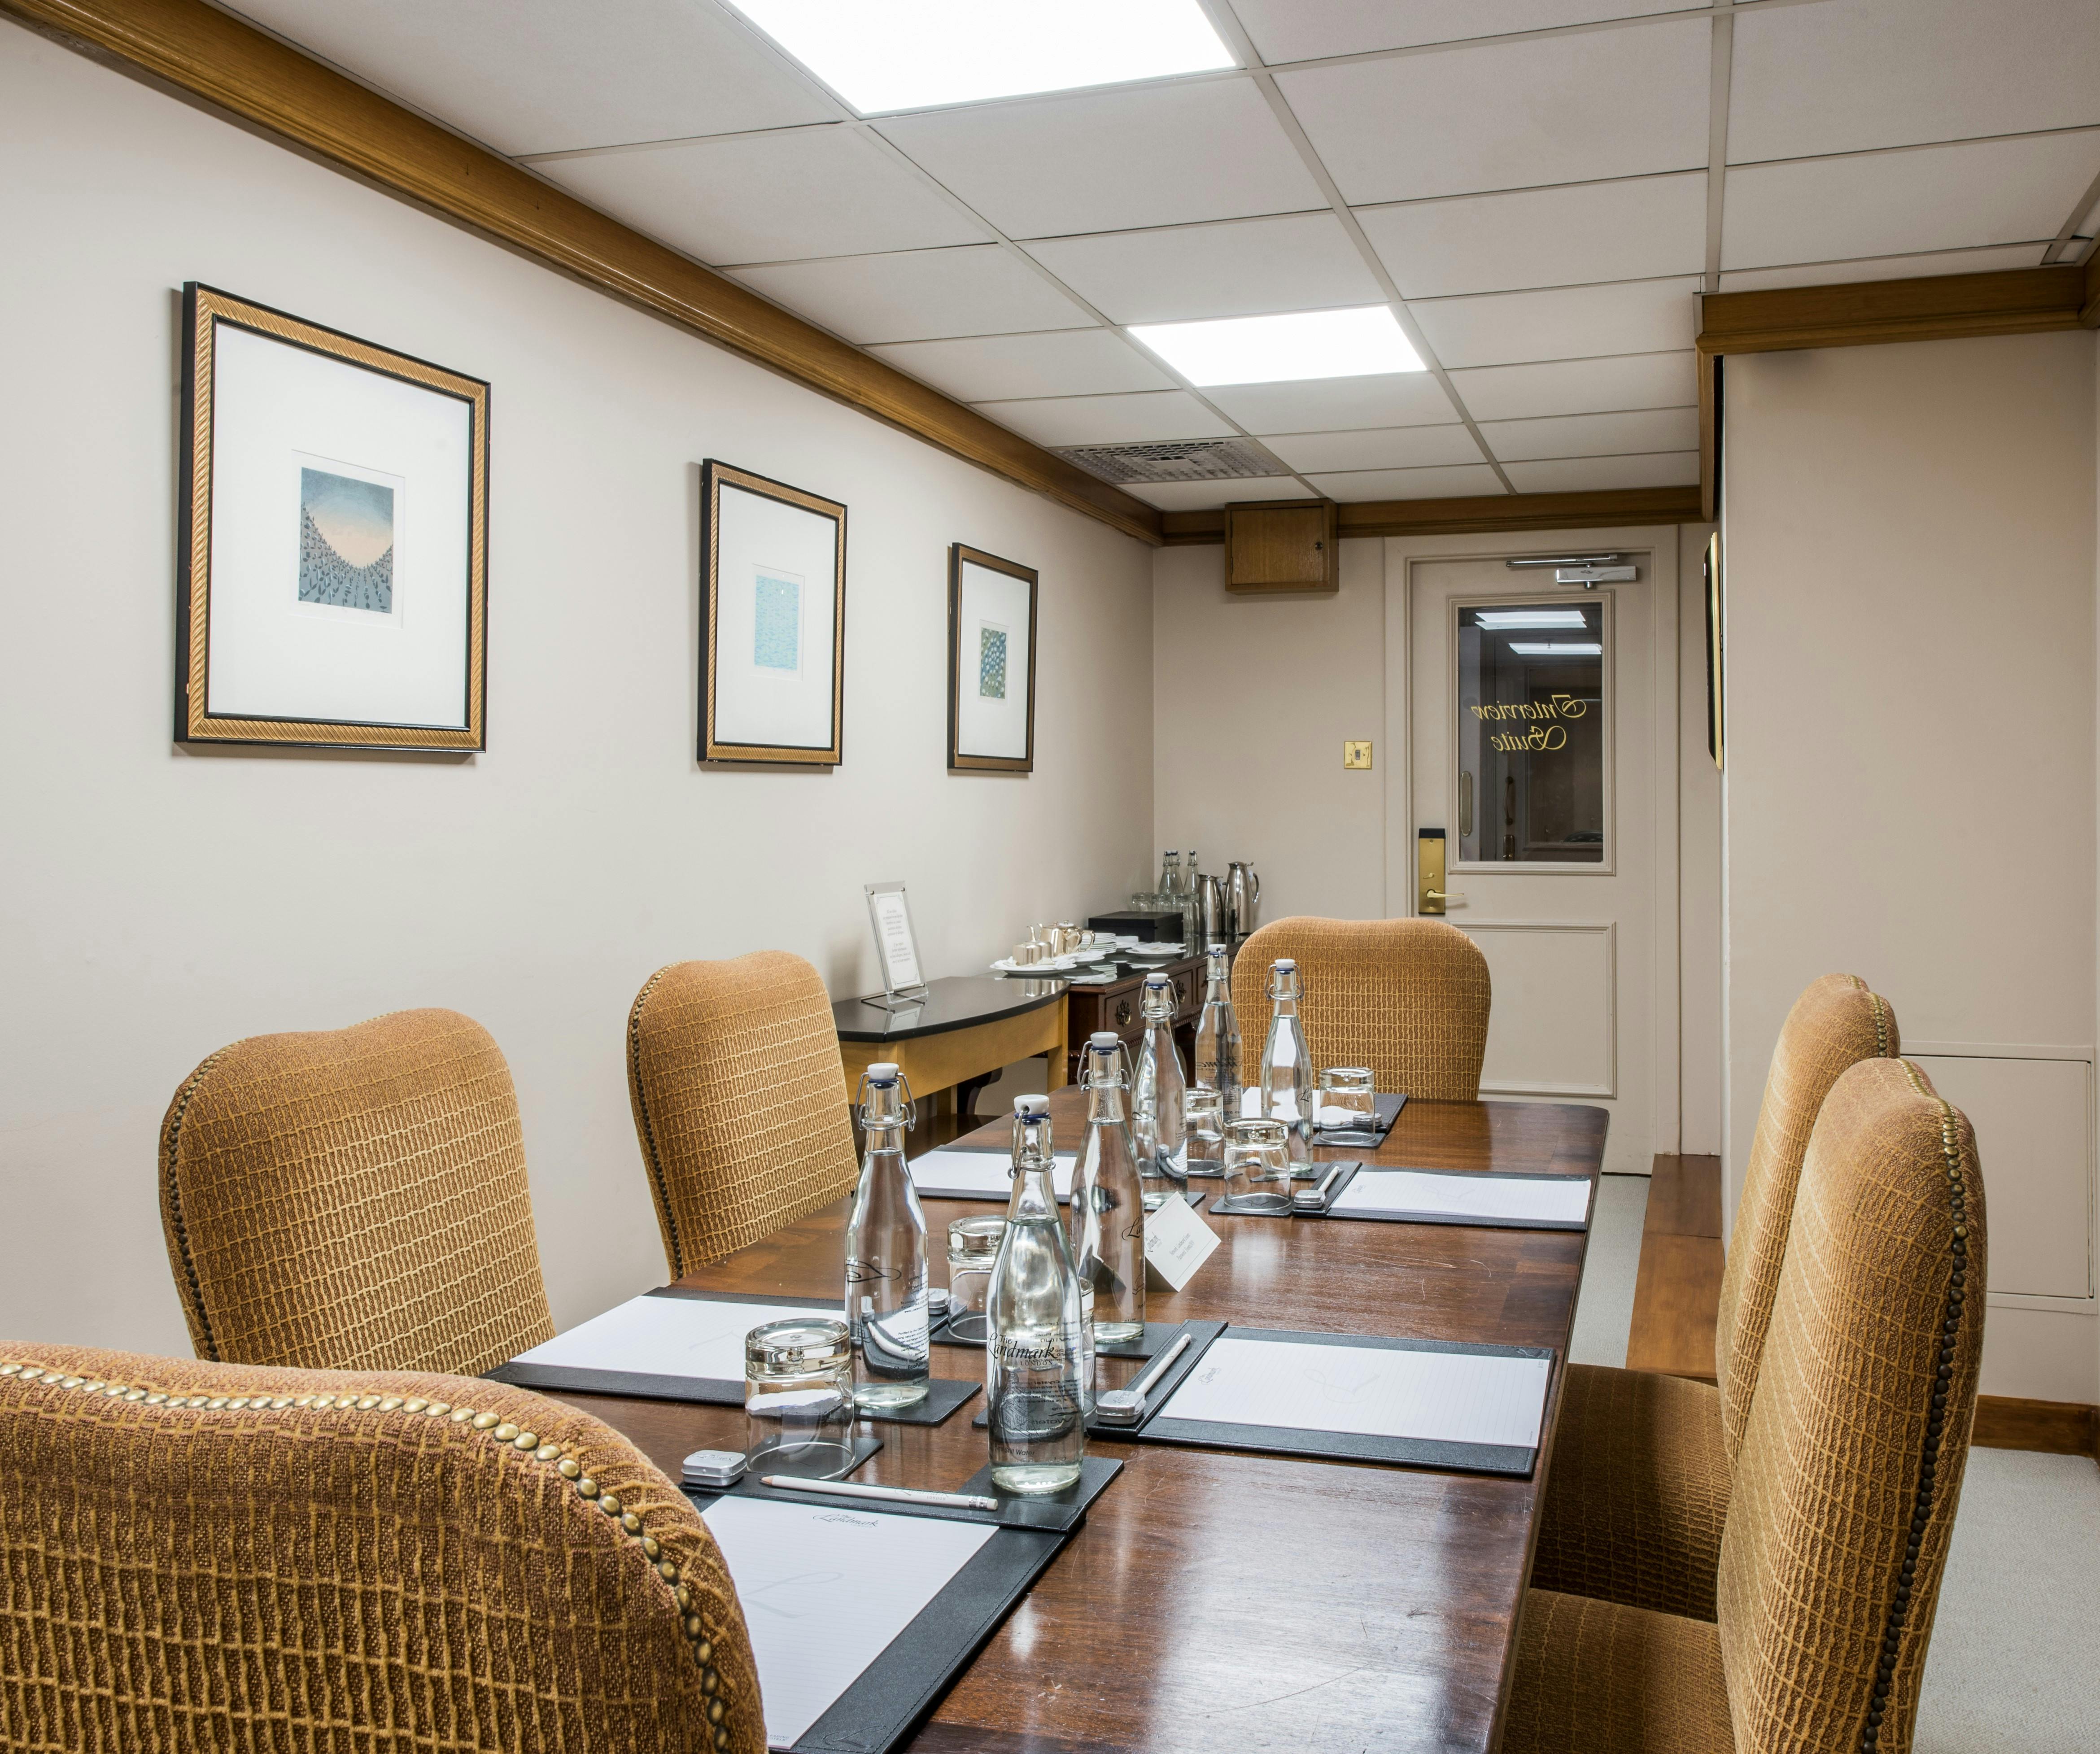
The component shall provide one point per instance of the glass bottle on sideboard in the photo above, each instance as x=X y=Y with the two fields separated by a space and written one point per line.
x=886 y=1268
x=1034 y=1346
x=1107 y=1214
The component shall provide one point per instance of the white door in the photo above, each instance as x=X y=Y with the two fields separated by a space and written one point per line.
x=1540 y=727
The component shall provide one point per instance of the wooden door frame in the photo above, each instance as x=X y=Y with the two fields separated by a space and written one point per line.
x=1402 y=554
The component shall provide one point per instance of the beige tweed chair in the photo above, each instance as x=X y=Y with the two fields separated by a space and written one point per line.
x=739 y=1101
x=1846 y=1478
x=355 y=1200
x=1407 y=997
x=1637 y=1492
x=201 y=1557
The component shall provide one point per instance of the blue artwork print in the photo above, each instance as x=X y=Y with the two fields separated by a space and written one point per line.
x=346 y=542
x=776 y=623
x=991 y=662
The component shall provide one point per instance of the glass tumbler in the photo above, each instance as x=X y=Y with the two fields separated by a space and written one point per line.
x=798 y=1399
x=1347 y=1099
x=1203 y=1120
x=973 y=1247
x=1258 y=1168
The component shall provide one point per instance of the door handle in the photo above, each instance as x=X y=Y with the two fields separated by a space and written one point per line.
x=1439 y=895
x=1465 y=805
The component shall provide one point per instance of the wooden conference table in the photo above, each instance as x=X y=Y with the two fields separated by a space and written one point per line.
x=1216 y=1599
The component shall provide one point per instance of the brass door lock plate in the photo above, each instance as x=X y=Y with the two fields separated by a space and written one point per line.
x=1355 y=755
x=1429 y=892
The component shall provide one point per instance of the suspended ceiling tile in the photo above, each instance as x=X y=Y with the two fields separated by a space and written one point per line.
x=1379 y=447
x=1888 y=204
x=1329 y=404
x=1988 y=261
x=1511 y=115
x=1632 y=229
x=1304 y=30
x=998 y=367
x=1566 y=323
x=1593 y=434
x=1579 y=386
x=1600 y=474
x=546 y=76
x=1841 y=78
x=918 y=294
x=767 y=197
x=1134 y=418
x=1114 y=161
x=1354 y=486
x=1239 y=267
x=1204 y=495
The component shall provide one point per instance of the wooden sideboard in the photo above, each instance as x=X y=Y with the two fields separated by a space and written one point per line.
x=1116 y=1007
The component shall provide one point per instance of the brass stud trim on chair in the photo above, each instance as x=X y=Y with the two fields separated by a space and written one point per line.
x=506 y=1436
x=1870 y=1733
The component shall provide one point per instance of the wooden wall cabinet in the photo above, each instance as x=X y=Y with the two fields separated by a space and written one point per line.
x=1283 y=546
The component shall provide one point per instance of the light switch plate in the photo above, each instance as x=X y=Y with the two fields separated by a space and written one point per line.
x=1355 y=754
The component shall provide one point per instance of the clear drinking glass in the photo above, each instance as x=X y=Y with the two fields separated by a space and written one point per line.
x=798 y=1398
x=1348 y=1098
x=1159 y=1093
x=1204 y=1116
x=1107 y=1213
x=1218 y=1031
x=1034 y=1351
x=1258 y=1168
x=1286 y=1065
x=973 y=1247
x=885 y=1267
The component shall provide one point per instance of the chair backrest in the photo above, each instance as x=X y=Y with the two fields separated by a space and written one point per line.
x=739 y=1101
x=1843 y=1495
x=355 y=1200
x=1407 y=997
x=192 y=1550
x=1837 y=1022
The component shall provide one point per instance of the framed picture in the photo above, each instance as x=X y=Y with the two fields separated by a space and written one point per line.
x=773 y=617
x=991 y=663
x=333 y=568
x=1716 y=669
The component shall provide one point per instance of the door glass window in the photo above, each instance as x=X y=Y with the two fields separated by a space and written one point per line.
x=1533 y=735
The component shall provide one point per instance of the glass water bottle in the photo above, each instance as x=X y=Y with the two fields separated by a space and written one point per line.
x=1159 y=1091
x=1107 y=1214
x=885 y=1300
x=1286 y=1064
x=1218 y=1032
x=1035 y=1344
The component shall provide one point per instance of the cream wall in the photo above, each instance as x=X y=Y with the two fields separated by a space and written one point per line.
x=1910 y=787
x=159 y=903
x=1237 y=782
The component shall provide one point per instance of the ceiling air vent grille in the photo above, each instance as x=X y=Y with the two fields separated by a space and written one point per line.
x=1176 y=459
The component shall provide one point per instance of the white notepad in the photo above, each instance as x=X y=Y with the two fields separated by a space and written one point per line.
x=981 y=1174
x=1563 y=1201
x=1367 y=1391
x=825 y=1588
x=667 y=1337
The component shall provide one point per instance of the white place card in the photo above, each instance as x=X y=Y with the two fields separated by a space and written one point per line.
x=667 y=1337
x=948 y=1174
x=825 y=1588
x=1489 y=1198
x=1176 y=1243
x=1367 y=1391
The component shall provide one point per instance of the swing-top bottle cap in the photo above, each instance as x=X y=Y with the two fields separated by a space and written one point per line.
x=1156 y=980
x=882 y=1071
x=1031 y=1107
x=1285 y=962
x=1102 y=1040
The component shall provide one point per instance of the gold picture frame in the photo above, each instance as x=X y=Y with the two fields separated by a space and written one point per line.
x=982 y=735
x=248 y=670
x=773 y=619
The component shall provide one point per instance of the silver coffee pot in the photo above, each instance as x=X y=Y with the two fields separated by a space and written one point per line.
x=1210 y=909
x=1242 y=896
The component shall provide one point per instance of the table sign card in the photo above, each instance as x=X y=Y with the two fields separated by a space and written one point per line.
x=895 y=943
x=1176 y=1243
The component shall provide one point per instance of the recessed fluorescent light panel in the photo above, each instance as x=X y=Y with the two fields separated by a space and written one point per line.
x=882 y=55
x=1503 y=620
x=1301 y=344
x=1557 y=648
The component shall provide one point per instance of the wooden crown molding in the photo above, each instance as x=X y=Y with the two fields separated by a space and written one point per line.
x=1938 y=307
x=231 y=65
x=1475 y=514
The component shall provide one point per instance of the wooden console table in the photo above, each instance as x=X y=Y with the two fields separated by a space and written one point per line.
x=968 y=1030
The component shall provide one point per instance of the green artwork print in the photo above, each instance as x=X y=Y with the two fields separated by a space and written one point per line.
x=991 y=662
x=776 y=638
